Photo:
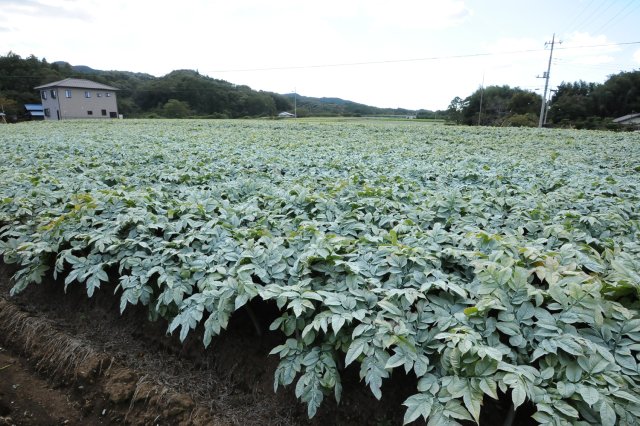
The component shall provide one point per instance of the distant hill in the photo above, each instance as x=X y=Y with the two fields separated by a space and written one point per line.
x=84 y=69
x=78 y=68
x=181 y=93
x=307 y=106
x=341 y=107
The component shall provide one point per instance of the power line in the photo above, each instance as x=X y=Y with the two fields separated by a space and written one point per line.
x=606 y=24
x=591 y=15
x=392 y=61
x=430 y=58
x=577 y=16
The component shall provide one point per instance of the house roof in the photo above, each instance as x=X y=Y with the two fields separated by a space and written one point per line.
x=33 y=107
x=626 y=117
x=78 y=83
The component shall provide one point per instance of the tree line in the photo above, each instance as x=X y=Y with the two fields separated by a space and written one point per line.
x=187 y=93
x=579 y=104
x=179 y=94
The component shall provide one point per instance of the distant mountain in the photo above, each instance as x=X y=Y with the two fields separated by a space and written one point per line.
x=307 y=106
x=324 y=106
x=78 y=68
x=84 y=69
x=181 y=93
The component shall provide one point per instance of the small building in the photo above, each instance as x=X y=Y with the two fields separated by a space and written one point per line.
x=74 y=98
x=285 y=114
x=628 y=120
x=34 y=111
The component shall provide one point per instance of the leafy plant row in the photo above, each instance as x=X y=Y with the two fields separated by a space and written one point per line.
x=487 y=263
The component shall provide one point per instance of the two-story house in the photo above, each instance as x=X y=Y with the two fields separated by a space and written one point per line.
x=74 y=98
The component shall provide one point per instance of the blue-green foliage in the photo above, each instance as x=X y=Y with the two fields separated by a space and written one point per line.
x=478 y=260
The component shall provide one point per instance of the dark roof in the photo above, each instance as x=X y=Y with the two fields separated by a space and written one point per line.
x=626 y=117
x=77 y=83
x=33 y=107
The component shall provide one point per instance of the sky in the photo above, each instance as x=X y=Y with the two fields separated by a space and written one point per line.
x=415 y=54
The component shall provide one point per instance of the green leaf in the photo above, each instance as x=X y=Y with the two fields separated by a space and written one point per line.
x=566 y=409
x=488 y=386
x=607 y=414
x=454 y=409
x=569 y=345
x=566 y=390
x=494 y=353
x=486 y=367
x=518 y=394
x=355 y=349
x=417 y=405
x=390 y=307
x=589 y=395
x=241 y=300
x=472 y=400
x=337 y=321
x=573 y=371
x=470 y=311
x=396 y=360
x=315 y=398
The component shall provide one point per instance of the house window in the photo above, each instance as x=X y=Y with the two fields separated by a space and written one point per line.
x=44 y=95
x=47 y=112
x=89 y=112
x=108 y=95
x=67 y=93
x=54 y=94
x=104 y=112
x=87 y=94
x=98 y=94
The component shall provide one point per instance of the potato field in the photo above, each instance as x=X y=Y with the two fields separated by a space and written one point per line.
x=484 y=264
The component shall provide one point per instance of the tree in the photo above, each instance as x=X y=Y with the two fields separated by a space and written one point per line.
x=176 y=109
x=9 y=106
x=499 y=103
x=455 y=110
x=523 y=102
x=257 y=104
x=592 y=105
x=619 y=95
x=572 y=102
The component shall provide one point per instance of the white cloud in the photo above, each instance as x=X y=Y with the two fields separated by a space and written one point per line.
x=636 y=56
x=212 y=36
x=416 y=14
x=62 y=9
x=576 y=49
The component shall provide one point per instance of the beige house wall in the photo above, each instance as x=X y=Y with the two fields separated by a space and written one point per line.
x=101 y=103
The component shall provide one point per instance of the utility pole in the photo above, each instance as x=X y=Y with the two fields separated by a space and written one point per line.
x=481 y=96
x=543 y=107
x=295 y=103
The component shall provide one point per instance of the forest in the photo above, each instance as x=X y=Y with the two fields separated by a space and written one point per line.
x=578 y=104
x=179 y=94
x=187 y=93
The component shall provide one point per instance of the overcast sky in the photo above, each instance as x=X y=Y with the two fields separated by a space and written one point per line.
x=392 y=53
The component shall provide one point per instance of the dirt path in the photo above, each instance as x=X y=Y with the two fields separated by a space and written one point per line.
x=27 y=399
